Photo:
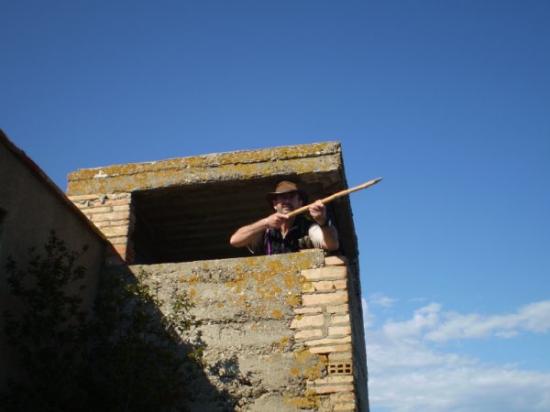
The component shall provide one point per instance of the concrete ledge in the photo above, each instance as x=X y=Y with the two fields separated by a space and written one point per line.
x=299 y=159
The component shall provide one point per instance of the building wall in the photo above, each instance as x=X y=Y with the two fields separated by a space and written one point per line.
x=283 y=322
x=289 y=327
x=32 y=206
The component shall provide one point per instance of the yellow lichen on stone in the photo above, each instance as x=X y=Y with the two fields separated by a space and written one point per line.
x=192 y=293
x=307 y=287
x=237 y=284
x=293 y=299
x=277 y=314
x=259 y=311
x=310 y=401
x=291 y=280
x=308 y=365
x=282 y=344
x=226 y=166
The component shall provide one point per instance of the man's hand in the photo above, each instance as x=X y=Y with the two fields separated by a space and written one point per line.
x=276 y=220
x=318 y=212
x=252 y=233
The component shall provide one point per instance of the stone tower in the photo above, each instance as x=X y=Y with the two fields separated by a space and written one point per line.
x=287 y=328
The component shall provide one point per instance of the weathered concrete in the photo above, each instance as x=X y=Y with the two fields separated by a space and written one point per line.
x=245 y=165
x=249 y=311
x=245 y=307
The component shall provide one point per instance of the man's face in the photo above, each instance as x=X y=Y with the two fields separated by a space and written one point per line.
x=287 y=202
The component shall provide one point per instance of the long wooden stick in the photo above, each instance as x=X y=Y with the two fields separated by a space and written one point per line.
x=336 y=195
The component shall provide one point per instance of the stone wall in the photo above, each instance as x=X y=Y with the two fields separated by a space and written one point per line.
x=280 y=325
x=31 y=206
x=288 y=329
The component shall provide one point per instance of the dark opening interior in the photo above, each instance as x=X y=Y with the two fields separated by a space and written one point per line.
x=195 y=222
x=2 y=217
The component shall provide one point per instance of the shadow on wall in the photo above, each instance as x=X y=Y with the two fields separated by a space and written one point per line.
x=124 y=355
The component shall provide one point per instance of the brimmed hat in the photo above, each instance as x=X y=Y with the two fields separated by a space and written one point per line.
x=286 y=186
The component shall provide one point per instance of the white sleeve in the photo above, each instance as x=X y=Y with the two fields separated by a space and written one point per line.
x=316 y=236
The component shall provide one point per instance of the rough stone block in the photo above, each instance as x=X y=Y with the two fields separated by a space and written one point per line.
x=329 y=341
x=95 y=210
x=102 y=224
x=115 y=231
x=118 y=202
x=344 y=407
x=265 y=336
x=325 y=273
x=333 y=388
x=339 y=319
x=121 y=208
x=339 y=331
x=338 y=309
x=325 y=298
x=301 y=322
x=328 y=285
x=336 y=261
x=343 y=397
x=270 y=403
x=111 y=216
x=313 y=309
x=330 y=348
x=307 y=287
x=308 y=334
x=334 y=379
x=80 y=198
x=339 y=356
x=119 y=240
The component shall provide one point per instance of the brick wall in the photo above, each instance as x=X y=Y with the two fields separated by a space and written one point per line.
x=112 y=214
x=323 y=324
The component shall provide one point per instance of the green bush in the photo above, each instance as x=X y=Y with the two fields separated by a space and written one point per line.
x=122 y=355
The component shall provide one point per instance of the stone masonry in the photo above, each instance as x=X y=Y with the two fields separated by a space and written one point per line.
x=282 y=323
x=289 y=325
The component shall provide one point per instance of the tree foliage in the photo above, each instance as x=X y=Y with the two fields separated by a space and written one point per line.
x=121 y=355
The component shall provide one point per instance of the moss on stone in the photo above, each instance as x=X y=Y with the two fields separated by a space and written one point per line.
x=217 y=167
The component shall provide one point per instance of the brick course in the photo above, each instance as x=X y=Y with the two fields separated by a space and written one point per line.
x=112 y=215
x=323 y=324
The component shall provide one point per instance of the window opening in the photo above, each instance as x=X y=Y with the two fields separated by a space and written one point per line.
x=195 y=222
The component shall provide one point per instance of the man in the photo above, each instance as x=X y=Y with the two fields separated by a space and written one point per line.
x=277 y=233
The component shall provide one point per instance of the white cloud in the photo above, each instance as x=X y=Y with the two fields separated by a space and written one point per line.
x=406 y=373
x=424 y=318
x=433 y=324
x=379 y=299
x=532 y=318
x=368 y=317
x=460 y=388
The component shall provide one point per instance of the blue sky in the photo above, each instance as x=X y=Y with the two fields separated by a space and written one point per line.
x=449 y=101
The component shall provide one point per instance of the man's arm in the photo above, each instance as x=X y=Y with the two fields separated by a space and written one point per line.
x=322 y=235
x=252 y=233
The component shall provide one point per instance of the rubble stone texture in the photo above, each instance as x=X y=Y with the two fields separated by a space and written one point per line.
x=282 y=333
